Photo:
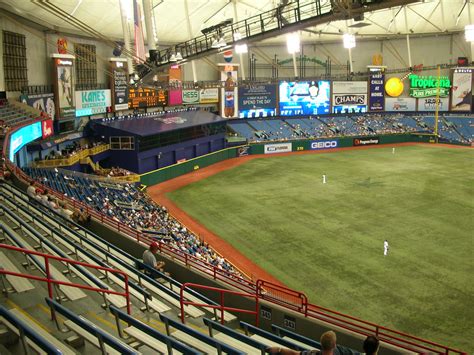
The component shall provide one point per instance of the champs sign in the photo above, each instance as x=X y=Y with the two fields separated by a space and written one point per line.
x=426 y=86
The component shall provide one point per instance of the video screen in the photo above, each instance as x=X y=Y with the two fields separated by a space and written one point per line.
x=263 y=112
x=304 y=98
x=349 y=109
x=24 y=136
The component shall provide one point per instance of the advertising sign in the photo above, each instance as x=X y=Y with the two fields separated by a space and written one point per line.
x=92 y=102
x=257 y=101
x=209 y=96
x=190 y=97
x=429 y=104
x=461 y=98
x=175 y=93
x=42 y=102
x=324 y=144
x=24 y=136
x=175 y=97
x=120 y=90
x=366 y=141
x=349 y=108
x=229 y=94
x=145 y=97
x=402 y=104
x=47 y=128
x=349 y=99
x=277 y=148
x=65 y=88
x=304 y=98
x=426 y=86
x=376 y=92
x=349 y=87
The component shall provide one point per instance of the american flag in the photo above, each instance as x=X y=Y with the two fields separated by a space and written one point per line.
x=139 y=42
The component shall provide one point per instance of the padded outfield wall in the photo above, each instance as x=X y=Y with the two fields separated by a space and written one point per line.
x=170 y=172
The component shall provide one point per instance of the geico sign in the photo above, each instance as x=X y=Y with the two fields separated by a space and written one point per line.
x=324 y=145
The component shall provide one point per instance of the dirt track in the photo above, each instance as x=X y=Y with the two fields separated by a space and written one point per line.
x=158 y=194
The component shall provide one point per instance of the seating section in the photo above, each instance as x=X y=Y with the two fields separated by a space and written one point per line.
x=11 y=115
x=125 y=203
x=462 y=130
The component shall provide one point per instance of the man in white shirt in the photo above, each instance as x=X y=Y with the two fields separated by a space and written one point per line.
x=31 y=190
x=385 y=247
x=150 y=259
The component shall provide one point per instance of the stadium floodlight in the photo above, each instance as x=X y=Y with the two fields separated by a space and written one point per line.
x=173 y=58
x=293 y=43
x=222 y=42
x=215 y=43
x=241 y=48
x=349 y=41
x=469 y=33
x=179 y=56
x=237 y=36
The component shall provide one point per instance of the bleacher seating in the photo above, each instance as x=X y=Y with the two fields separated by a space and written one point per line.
x=125 y=203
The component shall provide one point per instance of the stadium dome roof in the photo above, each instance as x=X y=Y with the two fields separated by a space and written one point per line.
x=426 y=17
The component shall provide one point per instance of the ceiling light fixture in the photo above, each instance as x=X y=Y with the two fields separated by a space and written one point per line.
x=293 y=42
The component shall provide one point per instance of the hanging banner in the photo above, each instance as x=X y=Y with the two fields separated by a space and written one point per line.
x=376 y=91
x=429 y=104
x=402 y=104
x=229 y=94
x=42 y=102
x=190 y=97
x=65 y=87
x=349 y=87
x=304 y=97
x=257 y=101
x=120 y=87
x=175 y=94
x=461 y=98
x=92 y=102
x=209 y=96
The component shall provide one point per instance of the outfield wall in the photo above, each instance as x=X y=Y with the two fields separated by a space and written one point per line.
x=160 y=175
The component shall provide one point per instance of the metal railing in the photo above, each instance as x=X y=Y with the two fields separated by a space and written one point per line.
x=402 y=340
x=221 y=307
x=51 y=281
x=74 y=158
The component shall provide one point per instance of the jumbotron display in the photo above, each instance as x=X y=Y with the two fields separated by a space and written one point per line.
x=304 y=98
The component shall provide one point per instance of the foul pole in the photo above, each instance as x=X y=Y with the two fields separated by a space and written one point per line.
x=437 y=105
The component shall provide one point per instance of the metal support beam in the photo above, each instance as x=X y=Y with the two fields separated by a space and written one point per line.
x=150 y=34
x=190 y=34
x=126 y=35
x=408 y=37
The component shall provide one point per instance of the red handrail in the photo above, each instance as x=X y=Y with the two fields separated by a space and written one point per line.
x=51 y=281
x=310 y=310
x=221 y=307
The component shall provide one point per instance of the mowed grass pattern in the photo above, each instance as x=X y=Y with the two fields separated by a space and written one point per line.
x=327 y=239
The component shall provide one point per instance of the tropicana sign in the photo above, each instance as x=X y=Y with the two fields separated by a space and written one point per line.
x=426 y=86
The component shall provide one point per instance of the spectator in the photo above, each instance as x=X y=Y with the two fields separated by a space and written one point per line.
x=371 y=345
x=31 y=190
x=150 y=259
x=328 y=347
x=44 y=198
x=64 y=211
x=81 y=217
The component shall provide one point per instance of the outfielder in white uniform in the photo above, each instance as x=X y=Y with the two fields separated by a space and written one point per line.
x=385 y=247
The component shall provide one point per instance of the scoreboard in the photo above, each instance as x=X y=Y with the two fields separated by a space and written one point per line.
x=146 y=97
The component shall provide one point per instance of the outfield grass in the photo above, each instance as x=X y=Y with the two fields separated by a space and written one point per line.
x=327 y=240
